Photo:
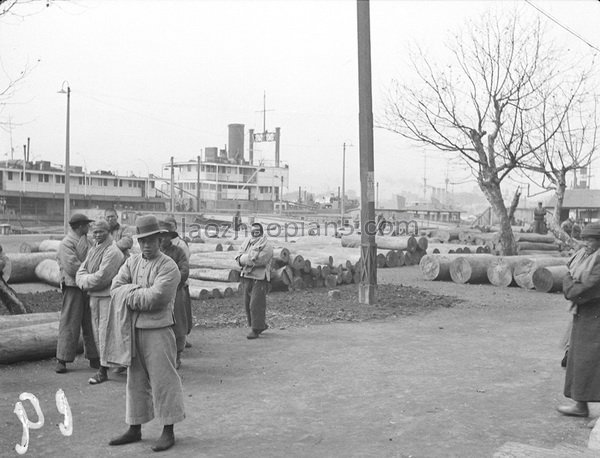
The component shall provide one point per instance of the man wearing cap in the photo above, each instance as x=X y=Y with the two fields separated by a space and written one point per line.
x=581 y=286
x=75 y=312
x=121 y=234
x=94 y=277
x=254 y=258
x=182 y=297
x=149 y=280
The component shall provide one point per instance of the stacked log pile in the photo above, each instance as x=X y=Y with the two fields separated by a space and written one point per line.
x=393 y=251
x=543 y=274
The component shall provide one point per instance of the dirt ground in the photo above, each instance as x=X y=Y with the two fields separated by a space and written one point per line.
x=434 y=370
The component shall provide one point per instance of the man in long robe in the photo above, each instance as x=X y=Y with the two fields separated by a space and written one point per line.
x=94 y=277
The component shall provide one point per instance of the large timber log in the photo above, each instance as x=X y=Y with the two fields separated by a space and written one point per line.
x=24 y=264
x=533 y=237
x=281 y=254
x=441 y=248
x=36 y=247
x=296 y=261
x=544 y=254
x=470 y=269
x=225 y=275
x=27 y=343
x=408 y=243
x=344 y=255
x=525 y=268
x=27 y=319
x=215 y=260
x=9 y=298
x=205 y=247
x=315 y=257
x=213 y=288
x=436 y=267
x=282 y=278
x=48 y=272
x=549 y=279
x=538 y=246
x=391 y=258
x=500 y=271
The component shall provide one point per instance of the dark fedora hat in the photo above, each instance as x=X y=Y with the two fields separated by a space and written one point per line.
x=147 y=225
x=169 y=228
x=79 y=218
x=591 y=230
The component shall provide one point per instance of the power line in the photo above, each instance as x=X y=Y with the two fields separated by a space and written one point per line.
x=562 y=26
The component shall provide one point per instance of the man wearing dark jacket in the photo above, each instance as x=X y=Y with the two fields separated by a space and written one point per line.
x=75 y=313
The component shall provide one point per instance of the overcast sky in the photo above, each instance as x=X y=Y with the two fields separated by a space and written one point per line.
x=155 y=79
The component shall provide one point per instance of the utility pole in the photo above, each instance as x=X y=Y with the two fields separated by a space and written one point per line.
x=172 y=185
x=67 y=164
x=198 y=187
x=343 y=202
x=368 y=276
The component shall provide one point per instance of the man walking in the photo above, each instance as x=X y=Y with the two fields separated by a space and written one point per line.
x=94 y=277
x=147 y=284
x=75 y=312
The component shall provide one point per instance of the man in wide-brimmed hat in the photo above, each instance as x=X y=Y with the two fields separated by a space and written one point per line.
x=147 y=284
x=94 y=277
x=75 y=313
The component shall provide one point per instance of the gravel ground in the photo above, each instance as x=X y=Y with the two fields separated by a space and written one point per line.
x=291 y=309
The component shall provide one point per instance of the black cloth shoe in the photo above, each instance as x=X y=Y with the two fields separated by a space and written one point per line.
x=60 y=367
x=165 y=442
x=252 y=335
x=133 y=434
x=563 y=363
x=573 y=411
x=100 y=377
x=95 y=363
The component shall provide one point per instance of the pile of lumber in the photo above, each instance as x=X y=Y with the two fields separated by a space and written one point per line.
x=533 y=244
x=393 y=251
x=529 y=272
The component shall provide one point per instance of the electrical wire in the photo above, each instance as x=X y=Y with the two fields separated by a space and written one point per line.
x=562 y=26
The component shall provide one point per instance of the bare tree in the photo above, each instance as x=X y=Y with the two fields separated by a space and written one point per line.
x=481 y=105
x=10 y=80
x=574 y=145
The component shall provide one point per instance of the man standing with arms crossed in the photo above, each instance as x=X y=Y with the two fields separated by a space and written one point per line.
x=75 y=312
x=147 y=284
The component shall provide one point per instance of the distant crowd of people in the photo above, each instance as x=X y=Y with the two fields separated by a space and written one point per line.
x=131 y=302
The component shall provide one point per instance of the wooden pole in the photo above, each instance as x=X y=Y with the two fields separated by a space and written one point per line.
x=368 y=277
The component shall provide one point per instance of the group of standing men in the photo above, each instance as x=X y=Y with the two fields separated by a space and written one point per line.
x=134 y=312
